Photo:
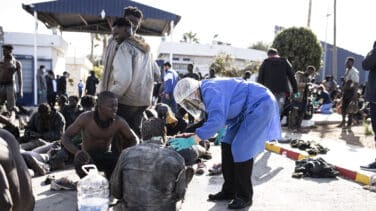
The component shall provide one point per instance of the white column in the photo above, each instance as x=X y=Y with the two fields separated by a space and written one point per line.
x=35 y=58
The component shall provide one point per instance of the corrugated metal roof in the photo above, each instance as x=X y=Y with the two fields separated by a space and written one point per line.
x=84 y=15
x=194 y=49
x=342 y=54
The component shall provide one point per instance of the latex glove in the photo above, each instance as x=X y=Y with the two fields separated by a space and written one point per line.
x=296 y=95
x=220 y=135
x=181 y=143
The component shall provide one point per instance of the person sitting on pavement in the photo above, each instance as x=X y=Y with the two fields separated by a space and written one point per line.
x=243 y=107
x=300 y=99
x=45 y=124
x=369 y=63
x=16 y=192
x=71 y=111
x=98 y=128
x=325 y=100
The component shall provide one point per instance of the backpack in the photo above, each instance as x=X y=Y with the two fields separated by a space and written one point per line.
x=154 y=177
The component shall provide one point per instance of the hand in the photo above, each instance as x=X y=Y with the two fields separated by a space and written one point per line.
x=181 y=143
x=296 y=95
x=20 y=94
x=82 y=157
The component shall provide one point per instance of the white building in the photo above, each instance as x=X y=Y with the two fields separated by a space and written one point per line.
x=79 y=69
x=51 y=50
x=203 y=55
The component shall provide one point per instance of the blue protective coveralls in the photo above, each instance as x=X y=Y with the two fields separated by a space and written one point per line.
x=248 y=109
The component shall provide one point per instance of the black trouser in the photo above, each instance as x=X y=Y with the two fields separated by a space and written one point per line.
x=237 y=176
x=345 y=103
x=105 y=161
x=133 y=115
x=51 y=100
x=373 y=117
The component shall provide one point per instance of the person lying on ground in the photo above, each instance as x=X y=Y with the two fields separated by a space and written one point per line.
x=15 y=184
x=98 y=128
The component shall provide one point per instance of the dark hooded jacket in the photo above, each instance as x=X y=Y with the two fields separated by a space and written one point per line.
x=274 y=73
x=369 y=63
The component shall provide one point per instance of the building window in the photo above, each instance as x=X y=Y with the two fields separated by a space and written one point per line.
x=175 y=59
x=187 y=59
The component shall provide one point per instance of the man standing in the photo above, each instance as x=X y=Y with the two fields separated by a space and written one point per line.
x=62 y=84
x=80 y=87
x=350 y=87
x=8 y=66
x=91 y=84
x=170 y=80
x=41 y=84
x=130 y=75
x=98 y=127
x=190 y=73
x=369 y=63
x=51 y=89
x=274 y=73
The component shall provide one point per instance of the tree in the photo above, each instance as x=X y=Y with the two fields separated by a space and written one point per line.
x=300 y=46
x=223 y=65
x=190 y=37
x=260 y=45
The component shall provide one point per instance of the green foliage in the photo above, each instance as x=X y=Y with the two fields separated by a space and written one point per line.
x=98 y=70
x=300 y=46
x=190 y=37
x=223 y=65
x=252 y=67
x=260 y=45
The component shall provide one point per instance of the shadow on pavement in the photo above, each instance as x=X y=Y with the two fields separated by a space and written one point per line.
x=56 y=200
x=262 y=172
x=351 y=138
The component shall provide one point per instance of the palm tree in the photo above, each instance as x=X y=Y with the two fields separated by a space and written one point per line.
x=190 y=37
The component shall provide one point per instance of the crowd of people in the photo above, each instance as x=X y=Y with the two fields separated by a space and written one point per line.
x=140 y=115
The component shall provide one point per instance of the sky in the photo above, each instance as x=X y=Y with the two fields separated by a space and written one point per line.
x=239 y=22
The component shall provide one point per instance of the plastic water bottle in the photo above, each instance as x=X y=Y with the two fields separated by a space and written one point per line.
x=92 y=191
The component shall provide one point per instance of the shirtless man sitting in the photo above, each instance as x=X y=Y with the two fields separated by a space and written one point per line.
x=8 y=66
x=15 y=184
x=98 y=128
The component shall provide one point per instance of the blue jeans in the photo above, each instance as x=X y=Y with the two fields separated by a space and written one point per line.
x=170 y=102
x=326 y=108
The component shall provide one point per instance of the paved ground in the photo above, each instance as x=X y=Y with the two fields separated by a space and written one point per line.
x=274 y=187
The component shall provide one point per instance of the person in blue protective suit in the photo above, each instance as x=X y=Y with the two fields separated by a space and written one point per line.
x=251 y=115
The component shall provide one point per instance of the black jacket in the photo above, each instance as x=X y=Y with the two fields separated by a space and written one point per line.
x=274 y=73
x=369 y=63
x=91 y=83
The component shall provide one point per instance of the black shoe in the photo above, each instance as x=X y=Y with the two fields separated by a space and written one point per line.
x=220 y=196
x=238 y=203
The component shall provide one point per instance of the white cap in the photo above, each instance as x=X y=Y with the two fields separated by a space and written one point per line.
x=184 y=88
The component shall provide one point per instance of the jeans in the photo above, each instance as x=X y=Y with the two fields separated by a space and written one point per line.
x=326 y=108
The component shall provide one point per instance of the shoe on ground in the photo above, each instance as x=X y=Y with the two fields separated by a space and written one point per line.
x=369 y=167
x=220 y=196
x=238 y=203
x=63 y=184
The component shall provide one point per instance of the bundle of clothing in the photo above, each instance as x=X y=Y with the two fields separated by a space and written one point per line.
x=311 y=147
x=316 y=168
